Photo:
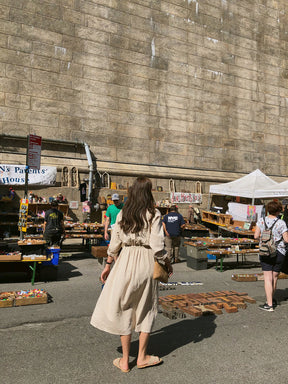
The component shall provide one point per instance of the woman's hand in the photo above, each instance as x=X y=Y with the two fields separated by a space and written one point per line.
x=105 y=273
x=169 y=267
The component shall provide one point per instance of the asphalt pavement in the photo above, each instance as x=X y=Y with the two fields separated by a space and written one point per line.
x=54 y=343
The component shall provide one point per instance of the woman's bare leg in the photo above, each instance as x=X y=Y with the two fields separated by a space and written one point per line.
x=125 y=342
x=143 y=358
x=268 y=284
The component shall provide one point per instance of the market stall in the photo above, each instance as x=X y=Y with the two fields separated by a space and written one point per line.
x=254 y=185
x=31 y=253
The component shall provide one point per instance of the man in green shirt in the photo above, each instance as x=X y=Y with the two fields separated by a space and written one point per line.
x=111 y=214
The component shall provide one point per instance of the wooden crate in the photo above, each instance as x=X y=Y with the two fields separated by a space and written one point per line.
x=99 y=251
x=31 y=300
x=7 y=303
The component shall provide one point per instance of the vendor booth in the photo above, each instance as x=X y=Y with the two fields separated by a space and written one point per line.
x=254 y=185
x=237 y=222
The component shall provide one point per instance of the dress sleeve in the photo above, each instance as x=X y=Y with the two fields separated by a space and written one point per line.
x=157 y=238
x=115 y=242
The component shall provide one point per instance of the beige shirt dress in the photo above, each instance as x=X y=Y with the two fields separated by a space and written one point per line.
x=129 y=298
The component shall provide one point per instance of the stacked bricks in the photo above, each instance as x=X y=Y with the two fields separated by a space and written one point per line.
x=253 y=276
x=198 y=304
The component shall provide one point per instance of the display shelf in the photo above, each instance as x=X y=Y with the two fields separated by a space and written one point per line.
x=36 y=208
x=36 y=219
x=9 y=217
x=220 y=219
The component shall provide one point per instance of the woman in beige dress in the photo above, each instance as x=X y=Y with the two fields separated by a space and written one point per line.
x=129 y=298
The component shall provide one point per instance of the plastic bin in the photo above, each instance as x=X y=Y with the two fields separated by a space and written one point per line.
x=211 y=257
x=197 y=264
x=104 y=242
x=55 y=252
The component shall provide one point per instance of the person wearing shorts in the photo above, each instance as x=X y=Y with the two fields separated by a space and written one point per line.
x=271 y=266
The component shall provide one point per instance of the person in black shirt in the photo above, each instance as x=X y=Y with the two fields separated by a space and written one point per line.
x=54 y=225
x=173 y=223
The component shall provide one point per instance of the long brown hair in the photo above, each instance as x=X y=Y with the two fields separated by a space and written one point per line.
x=140 y=200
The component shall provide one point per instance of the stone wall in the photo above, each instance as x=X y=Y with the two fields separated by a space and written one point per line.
x=190 y=89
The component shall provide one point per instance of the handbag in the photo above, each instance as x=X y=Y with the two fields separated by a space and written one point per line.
x=160 y=272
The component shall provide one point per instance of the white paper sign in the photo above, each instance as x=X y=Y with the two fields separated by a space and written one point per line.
x=188 y=198
x=239 y=211
x=34 y=151
x=15 y=175
x=73 y=205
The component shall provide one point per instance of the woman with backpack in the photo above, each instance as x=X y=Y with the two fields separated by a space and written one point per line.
x=273 y=235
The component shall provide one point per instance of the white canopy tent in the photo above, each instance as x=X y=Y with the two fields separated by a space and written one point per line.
x=279 y=190
x=254 y=185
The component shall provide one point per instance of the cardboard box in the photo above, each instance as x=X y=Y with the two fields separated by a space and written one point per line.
x=99 y=251
x=12 y=257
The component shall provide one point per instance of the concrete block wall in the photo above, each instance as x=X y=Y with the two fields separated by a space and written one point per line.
x=190 y=89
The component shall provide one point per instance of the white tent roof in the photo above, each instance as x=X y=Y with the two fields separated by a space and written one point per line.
x=279 y=190
x=251 y=186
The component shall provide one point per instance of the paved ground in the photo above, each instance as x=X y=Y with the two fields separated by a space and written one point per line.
x=55 y=344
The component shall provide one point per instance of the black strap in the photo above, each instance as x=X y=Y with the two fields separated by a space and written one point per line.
x=266 y=226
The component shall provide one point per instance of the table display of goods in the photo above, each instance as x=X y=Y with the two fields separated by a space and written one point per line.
x=31 y=241
x=10 y=256
x=34 y=257
x=32 y=246
x=23 y=297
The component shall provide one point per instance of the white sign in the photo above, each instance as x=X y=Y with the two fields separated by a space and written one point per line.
x=188 y=198
x=239 y=211
x=15 y=175
x=73 y=205
x=34 y=151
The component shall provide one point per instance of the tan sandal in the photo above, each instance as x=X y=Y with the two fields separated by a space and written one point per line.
x=116 y=362
x=154 y=360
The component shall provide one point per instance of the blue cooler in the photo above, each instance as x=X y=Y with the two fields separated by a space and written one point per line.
x=53 y=252
x=211 y=257
x=104 y=242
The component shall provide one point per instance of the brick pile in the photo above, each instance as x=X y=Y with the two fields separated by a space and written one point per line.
x=254 y=276
x=198 y=304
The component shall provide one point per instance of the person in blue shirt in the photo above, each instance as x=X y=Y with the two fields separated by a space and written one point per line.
x=173 y=223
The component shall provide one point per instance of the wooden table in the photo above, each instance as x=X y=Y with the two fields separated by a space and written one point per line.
x=222 y=253
x=237 y=231
x=33 y=267
x=221 y=247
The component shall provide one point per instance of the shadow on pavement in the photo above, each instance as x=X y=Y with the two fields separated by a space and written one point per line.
x=168 y=339
x=20 y=272
x=281 y=295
